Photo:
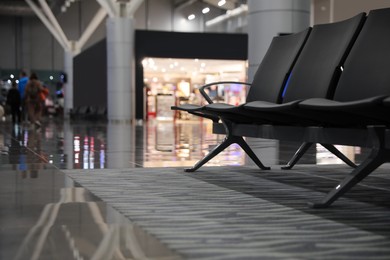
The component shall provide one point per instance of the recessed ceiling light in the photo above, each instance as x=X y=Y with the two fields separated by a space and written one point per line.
x=221 y=3
x=191 y=17
x=205 y=10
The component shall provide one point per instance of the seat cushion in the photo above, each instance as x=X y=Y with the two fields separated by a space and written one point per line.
x=187 y=107
x=332 y=105
x=269 y=106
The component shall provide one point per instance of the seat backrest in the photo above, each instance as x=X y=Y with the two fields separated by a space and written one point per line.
x=367 y=68
x=272 y=73
x=317 y=70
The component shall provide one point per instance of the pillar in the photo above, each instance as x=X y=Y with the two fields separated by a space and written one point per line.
x=68 y=145
x=120 y=77
x=268 y=18
x=120 y=145
x=68 y=86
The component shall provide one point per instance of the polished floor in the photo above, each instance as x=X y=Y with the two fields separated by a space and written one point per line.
x=97 y=190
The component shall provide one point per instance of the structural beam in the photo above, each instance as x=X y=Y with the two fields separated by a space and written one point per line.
x=108 y=6
x=47 y=23
x=96 y=20
x=55 y=23
x=229 y=14
x=133 y=7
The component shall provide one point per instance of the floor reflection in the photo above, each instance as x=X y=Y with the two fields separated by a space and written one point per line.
x=97 y=145
x=77 y=227
x=183 y=143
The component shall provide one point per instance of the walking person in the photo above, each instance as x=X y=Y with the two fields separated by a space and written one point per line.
x=33 y=100
x=14 y=101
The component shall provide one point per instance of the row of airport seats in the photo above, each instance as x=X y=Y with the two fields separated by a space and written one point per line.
x=89 y=113
x=328 y=84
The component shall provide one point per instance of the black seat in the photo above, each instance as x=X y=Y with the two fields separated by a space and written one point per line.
x=315 y=74
x=361 y=97
x=79 y=112
x=386 y=102
x=360 y=103
x=357 y=113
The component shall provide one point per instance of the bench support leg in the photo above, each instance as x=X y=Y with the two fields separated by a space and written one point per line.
x=298 y=154
x=377 y=157
x=228 y=140
x=305 y=146
x=331 y=148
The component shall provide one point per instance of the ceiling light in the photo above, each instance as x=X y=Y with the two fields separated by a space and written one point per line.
x=191 y=17
x=205 y=10
x=221 y=3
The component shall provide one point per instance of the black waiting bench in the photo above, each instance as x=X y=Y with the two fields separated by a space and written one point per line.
x=329 y=84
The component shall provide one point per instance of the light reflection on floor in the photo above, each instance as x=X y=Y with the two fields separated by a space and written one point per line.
x=97 y=145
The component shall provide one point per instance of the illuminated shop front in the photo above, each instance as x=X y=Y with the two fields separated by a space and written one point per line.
x=171 y=82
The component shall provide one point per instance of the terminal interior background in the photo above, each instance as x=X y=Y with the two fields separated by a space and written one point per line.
x=158 y=137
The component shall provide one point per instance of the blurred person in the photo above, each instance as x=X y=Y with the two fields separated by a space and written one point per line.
x=33 y=99
x=14 y=101
x=23 y=79
x=2 y=113
x=44 y=95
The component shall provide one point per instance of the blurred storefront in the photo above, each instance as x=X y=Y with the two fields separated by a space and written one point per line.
x=171 y=82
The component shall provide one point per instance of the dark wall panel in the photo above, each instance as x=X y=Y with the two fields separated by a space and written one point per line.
x=90 y=76
x=191 y=45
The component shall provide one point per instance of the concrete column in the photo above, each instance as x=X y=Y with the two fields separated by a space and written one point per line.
x=120 y=73
x=268 y=18
x=68 y=145
x=120 y=145
x=68 y=87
